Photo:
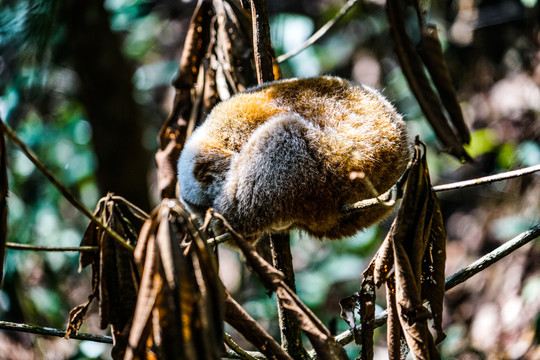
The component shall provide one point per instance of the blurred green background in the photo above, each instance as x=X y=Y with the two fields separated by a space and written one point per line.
x=86 y=84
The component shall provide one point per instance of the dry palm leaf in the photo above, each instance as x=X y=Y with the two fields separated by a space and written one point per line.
x=411 y=263
x=179 y=306
x=115 y=279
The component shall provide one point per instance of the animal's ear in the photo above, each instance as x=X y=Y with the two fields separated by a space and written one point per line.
x=211 y=165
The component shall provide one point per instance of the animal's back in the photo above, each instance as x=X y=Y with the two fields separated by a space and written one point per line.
x=315 y=132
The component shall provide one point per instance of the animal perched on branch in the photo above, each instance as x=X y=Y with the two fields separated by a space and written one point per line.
x=280 y=155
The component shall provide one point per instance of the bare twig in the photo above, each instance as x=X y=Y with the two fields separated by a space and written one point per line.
x=488 y=179
x=491 y=258
x=393 y=194
x=15 y=246
x=61 y=188
x=319 y=33
x=42 y=330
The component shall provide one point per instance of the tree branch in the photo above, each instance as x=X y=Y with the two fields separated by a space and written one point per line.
x=492 y=257
x=238 y=352
x=42 y=330
x=488 y=179
x=291 y=335
x=319 y=33
x=61 y=188
x=461 y=276
x=15 y=246
x=395 y=190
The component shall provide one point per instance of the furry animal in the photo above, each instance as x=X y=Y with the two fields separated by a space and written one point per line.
x=279 y=156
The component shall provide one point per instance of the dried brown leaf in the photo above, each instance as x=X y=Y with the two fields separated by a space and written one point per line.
x=394 y=332
x=174 y=131
x=413 y=70
x=179 y=306
x=430 y=51
x=348 y=306
x=3 y=203
x=114 y=276
x=433 y=278
x=411 y=263
x=384 y=261
x=77 y=315
x=414 y=235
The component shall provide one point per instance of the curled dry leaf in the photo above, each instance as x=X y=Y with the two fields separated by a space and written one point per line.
x=179 y=306
x=114 y=276
x=3 y=203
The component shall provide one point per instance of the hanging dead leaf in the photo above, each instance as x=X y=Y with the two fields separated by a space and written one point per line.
x=419 y=82
x=430 y=51
x=114 y=276
x=217 y=61
x=410 y=262
x=348 y=306
x=416 y=232
x=179 y=305
x=3 y=202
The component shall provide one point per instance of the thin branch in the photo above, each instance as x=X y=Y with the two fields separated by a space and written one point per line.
x=42 y=330
x=319 y=33
x=494 y=256
x=61 y=188
x=388 y=196
x=16 y=246
x=488 y=179
x=461 y=276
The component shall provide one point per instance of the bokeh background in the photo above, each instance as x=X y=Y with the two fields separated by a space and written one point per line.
x=86 y=84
